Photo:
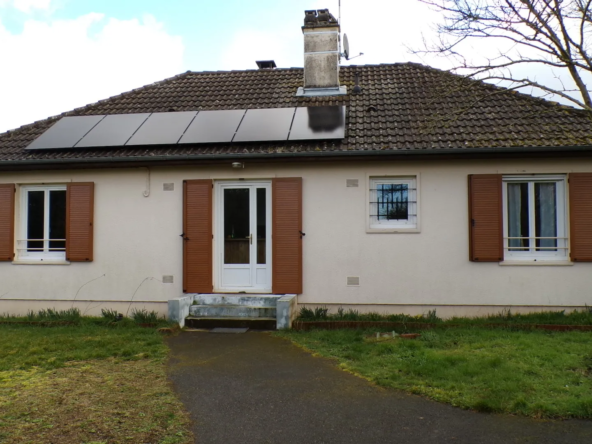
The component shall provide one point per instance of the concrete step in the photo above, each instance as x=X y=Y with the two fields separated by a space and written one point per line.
x=232 y=311
x=227 y=322
x=257 y=300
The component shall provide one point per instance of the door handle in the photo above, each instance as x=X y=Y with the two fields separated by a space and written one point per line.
x=250 y=237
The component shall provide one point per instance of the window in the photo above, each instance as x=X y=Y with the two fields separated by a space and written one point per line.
x=43 y=223
x=393 y=203
x=534 y=218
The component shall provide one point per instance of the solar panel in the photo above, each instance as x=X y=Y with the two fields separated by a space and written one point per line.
x=162 y=128
x=318 y=122
x=213 y=126
x=260 y=125
x=113 y=130
x=221 y=126
x=65 y=132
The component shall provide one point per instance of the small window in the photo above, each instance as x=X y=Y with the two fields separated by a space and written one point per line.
x=43 y=223
x=393 y=203
x=534 y=218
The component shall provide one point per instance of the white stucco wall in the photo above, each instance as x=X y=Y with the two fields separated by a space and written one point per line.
x=137 y=241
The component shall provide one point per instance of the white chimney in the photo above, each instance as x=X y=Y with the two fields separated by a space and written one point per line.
x=321 y=55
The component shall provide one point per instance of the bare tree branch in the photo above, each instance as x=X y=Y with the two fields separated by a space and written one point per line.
x=553 y=33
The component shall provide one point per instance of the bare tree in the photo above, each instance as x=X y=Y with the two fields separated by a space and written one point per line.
x=554 y=33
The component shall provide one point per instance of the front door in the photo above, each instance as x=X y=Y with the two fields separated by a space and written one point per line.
x=243 y=236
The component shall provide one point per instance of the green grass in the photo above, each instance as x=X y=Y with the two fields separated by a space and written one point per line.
x=576 y=317
x=95 y=382
x=533 y=373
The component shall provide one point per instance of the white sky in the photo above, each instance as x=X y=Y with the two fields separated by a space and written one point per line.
x=54 y=62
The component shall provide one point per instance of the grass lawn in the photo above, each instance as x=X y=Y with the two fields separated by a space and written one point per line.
x=89 y=384
x=533 y=373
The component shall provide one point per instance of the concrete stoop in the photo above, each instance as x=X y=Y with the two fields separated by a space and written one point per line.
x=258 y=312
x=228 y=322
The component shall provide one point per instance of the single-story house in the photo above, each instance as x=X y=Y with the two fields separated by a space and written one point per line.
x=388 y=188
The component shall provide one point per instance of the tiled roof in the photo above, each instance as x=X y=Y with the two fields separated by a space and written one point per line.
x=402 y=108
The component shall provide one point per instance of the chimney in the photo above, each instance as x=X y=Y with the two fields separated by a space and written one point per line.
x=321 y=55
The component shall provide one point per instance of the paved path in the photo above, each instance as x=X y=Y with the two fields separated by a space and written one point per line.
x=256 y=388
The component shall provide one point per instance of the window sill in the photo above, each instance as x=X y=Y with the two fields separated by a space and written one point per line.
x=392 y=230
x=38 y=262
x=537 y=263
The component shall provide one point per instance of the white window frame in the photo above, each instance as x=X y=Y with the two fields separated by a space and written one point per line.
x=562 y=253
x=409 y=225
x=40 y=256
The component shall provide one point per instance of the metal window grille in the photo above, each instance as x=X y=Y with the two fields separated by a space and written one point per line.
x=392 y=202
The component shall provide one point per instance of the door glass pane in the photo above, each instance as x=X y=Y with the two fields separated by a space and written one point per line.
x=545 y=215
x=57 y=219
x=392 y=201
x=518 y=226
x=261 y=225
x=35 y=219
x=236 y=226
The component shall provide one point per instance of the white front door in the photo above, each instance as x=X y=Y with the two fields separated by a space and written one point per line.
x=243 y=236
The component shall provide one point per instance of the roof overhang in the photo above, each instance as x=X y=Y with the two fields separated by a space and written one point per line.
x=369 y=155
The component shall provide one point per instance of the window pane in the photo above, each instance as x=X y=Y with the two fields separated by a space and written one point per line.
x=261 y=225
x=57 y=218
x=35 y=219
x=392 y=201
x=236 y=226
x=518 y=226
x=546 y=215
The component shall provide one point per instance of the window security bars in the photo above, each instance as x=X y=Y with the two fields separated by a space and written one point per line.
x=391 y=202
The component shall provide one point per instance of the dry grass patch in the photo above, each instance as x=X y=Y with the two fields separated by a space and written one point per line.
x=107 y=401
x=87 y=384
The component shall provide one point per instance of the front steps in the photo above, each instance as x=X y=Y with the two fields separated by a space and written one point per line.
x=257 y=312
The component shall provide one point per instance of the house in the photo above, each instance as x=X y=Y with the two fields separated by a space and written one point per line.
x=389 y=188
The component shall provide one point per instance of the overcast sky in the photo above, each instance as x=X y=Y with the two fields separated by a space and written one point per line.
x=57 y=55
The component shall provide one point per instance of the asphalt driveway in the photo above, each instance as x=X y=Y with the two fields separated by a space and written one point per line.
x=256 y=388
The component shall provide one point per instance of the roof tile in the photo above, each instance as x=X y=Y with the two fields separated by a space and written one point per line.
x=402 y=107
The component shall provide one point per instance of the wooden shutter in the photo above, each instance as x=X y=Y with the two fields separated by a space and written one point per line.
x=79 y=221
x=197 y=240
x=7 y=222
x=580 y=216
x=286 y=235
x=485 y=218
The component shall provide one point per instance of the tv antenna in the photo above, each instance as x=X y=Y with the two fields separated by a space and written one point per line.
x=345 y=52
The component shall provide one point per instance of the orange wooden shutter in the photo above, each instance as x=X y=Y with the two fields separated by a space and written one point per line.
x=79 y=221
x=7 y=222
x=197 y=230
x=580 y=216
x=286 y=235
x=485 y=218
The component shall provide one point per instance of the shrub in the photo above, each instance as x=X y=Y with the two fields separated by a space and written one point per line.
x=145 y=317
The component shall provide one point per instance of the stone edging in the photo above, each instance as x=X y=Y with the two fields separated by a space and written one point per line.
x=336 y=325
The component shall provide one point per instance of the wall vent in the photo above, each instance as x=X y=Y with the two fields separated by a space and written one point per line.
x=167 y=279
x=351 y=183
x=353 y=281
x=168 y=187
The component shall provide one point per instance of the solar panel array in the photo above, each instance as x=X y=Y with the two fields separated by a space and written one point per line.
x=143 y=129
